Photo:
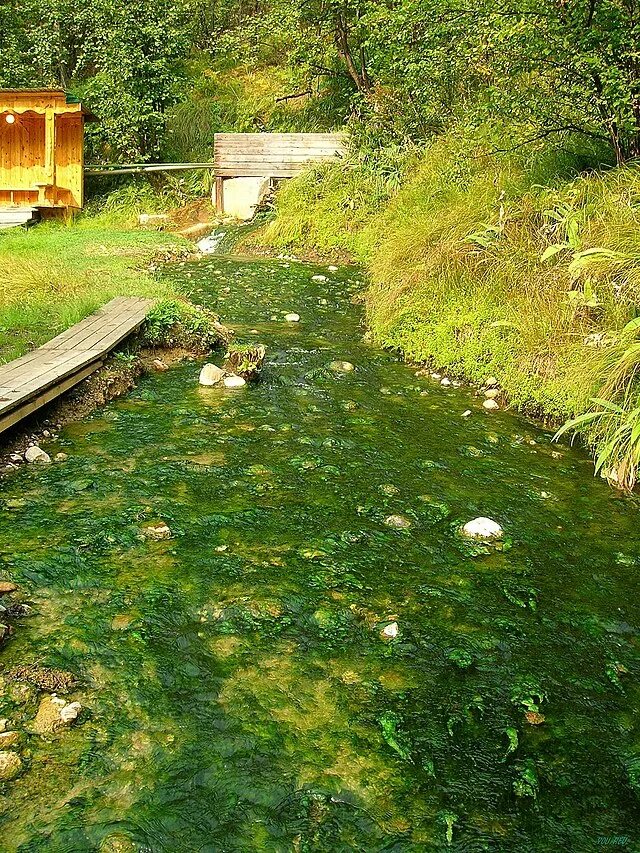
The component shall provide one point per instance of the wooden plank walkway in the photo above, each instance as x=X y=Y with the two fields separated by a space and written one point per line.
x=40 y=376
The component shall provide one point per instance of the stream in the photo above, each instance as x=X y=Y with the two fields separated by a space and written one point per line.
x=238 y=690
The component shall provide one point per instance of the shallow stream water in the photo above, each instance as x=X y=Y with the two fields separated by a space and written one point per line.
x=238 y=692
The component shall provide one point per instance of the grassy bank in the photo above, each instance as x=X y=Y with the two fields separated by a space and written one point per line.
x=522 y=267
x=53 y=275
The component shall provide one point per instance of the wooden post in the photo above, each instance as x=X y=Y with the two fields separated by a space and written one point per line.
x=219 y=194
x=50 y=146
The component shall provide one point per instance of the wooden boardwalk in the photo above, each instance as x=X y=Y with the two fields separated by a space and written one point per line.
x=40 y=376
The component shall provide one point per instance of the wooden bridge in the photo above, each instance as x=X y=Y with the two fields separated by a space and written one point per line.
x=40 y=376
x=270 y=155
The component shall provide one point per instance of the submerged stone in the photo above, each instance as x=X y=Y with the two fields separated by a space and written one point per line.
x=10 y=765
x=8 y=739
x=292 y=317
x=390 y=631
x=341 y=366
x=490 y=405
x=157 y=532
x=399 y=522
x=482 y=528
x=54 y=713
x=319 y=278
x=492 y=393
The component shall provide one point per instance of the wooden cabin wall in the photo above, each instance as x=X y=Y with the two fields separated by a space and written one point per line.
x=69 y=158
x=22 y=157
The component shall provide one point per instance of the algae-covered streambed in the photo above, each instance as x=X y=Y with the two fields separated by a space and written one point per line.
x=237 y=693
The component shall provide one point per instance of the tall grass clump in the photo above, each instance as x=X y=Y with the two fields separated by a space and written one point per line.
x=53 y=275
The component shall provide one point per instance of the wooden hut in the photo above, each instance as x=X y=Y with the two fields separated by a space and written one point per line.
x=41 y=151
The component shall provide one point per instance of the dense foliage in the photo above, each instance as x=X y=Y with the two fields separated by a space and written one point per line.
x=405 y=69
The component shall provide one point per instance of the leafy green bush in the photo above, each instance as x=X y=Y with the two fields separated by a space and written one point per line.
x=175 y=322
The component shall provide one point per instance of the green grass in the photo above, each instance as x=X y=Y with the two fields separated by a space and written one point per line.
x=518 y=266
x=53 y=275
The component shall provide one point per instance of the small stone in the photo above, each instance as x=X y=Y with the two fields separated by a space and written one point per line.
x=3 y=725
x=5 y=630
x=399 y=522
x=490 y=405
x=319 y=278
x=482 y=528
x=211 y=374
x=17 y=458
x=332 y=268
x=467 y=413
x=341 y=366
x=158 y=532
x=7 y=587
x=60 y=457
x=234 y=382
x=292 y=318
x=437 y=376
x=8 y=739
x=491 y=382
x=160 y=365
x=492 y=393
x=70 y=712
x=10 y=765
x=390 y=631
x=445 y=382
x=36 y=454
x=534 y=718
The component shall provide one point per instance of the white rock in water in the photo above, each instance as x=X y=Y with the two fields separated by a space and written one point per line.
x=292 y=318
x=342 y=366
x=482 y=528
x=446 y=382
x=467 y=413
x=400 y=522
x=211 y=374
x=36 y=454
x=490 y=405
x=492 y=393
x=70 y=712
x=234 y=382
x=332 y=268
x=491 y=382
x=60 y=457
x=318 y=278
x=390 y=631
x=437 y=376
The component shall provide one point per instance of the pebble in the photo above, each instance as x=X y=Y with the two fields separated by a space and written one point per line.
x=492 y=393
x=445 y=382
x=160 y=365
x=60 y=457
x=491 y=382
x=318 y=278
x=292 y=318
x=16 y=457
x=490 y=405
x=36 y=454
x=234 y=382
x=341 y=366
x=390 y=631
x=7 y=586
x=70 y=712
x=482 y=528
x=211 y=374
x=332 y=268
x=437 y=376
x=467 y=413
x=400 y=522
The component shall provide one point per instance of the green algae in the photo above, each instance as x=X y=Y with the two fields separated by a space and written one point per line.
x=237 y=692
